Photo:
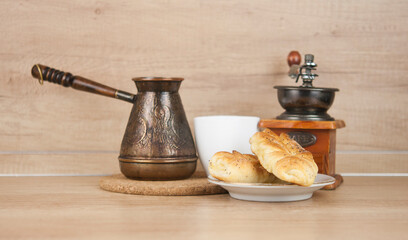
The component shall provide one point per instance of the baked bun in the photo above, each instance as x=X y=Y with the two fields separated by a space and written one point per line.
x=240 y=168
x=284 y=157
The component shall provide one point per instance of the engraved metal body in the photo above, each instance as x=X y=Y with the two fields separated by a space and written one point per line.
x=158 y=144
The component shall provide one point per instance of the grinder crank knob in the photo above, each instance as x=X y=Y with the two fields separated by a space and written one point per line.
x=294 y=58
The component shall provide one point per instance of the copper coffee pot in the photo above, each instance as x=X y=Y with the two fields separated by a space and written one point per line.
x=158 y=144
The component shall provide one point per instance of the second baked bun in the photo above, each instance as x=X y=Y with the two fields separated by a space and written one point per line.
x=284 y=157
x=240 y=168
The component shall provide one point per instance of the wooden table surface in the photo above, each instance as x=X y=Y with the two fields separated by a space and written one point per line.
x=75 y=208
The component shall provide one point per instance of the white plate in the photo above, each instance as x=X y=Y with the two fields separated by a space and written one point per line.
x=267 y=192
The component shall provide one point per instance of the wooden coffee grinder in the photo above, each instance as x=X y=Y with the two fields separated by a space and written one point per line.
x=306 y=119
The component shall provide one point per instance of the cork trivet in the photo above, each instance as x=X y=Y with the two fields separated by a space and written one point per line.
x=195 y=185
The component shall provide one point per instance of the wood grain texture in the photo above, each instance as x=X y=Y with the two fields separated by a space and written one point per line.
x=231 y=54
x=107 y=163
x=75 y=208
x=297 y=124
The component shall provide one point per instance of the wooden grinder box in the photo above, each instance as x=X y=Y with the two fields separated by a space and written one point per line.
x=318 y=137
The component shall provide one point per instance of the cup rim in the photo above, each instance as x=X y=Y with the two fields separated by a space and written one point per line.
x=225 y=116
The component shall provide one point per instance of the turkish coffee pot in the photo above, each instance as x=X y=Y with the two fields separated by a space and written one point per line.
x=157 y=144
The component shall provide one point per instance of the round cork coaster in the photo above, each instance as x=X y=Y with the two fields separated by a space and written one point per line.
x=195 y=185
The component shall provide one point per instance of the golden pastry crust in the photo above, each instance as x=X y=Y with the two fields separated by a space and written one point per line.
x=240 y=168
x=284 y=157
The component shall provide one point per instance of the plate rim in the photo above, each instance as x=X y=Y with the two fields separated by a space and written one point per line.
x=213 y=180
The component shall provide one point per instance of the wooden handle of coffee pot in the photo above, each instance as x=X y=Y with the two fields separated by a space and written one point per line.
x=66 y=79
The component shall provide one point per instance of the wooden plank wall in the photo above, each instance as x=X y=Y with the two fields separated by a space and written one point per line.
x=231 y=54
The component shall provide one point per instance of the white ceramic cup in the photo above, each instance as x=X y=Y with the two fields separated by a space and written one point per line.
x=223 y=133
